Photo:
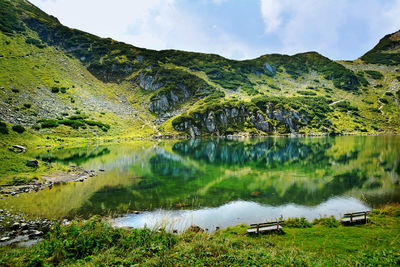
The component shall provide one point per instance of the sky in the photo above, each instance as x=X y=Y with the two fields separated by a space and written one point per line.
x=236 y=29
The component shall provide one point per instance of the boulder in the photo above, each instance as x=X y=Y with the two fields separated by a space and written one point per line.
x=15 y=226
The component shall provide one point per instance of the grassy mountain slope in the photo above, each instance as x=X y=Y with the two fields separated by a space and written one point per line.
x=59 y=80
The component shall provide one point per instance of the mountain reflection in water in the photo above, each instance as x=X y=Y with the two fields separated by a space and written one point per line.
x=200 y=174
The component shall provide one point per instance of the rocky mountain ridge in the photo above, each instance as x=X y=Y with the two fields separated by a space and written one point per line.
x=174 y=92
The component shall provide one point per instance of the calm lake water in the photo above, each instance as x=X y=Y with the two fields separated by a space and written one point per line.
x=220 y=182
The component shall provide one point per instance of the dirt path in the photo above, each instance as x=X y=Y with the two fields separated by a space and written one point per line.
x=333 y=103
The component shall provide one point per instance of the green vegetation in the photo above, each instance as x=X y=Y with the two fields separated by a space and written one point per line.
x=9 y=22
x=381 y=53
x=104 y=74
x=96 y=243
x=345 y=106
x=376 y=75
x=297 y=223
x=302 y=92
x=75 y=122
x=18 y=128
x=330 y=222
x=3 y=128
x=35 y=42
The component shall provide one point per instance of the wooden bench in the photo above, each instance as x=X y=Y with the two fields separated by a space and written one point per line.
x=265 y=227
x=355 y=217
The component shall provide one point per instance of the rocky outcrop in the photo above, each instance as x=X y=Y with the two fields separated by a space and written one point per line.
x=228 y=119
x=148 y=83
x=222 y=121
x=167 y=100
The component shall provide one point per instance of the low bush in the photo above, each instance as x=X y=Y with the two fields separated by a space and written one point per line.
x=104 y=127
x=36 y=127
x=81 y=241
x=345 y=106
x=35 y=42
x=27 y=105
x=48 y=123
x=18 y=128
x=55 y=90
x=3 y=128
x=376 y=75
x=298 y=223
x=301 y=92
x=326 y=221
x=18 y=181
x=75 y=124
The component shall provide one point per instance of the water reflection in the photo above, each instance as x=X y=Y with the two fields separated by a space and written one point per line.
x=199 y=174
x=237 y=212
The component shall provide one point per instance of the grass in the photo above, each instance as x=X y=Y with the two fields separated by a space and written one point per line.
x=73 y=70
x=94 y=242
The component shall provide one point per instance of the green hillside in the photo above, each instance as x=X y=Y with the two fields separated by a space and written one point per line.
x=62 y=81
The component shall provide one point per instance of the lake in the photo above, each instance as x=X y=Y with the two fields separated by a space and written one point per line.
x=221 y=182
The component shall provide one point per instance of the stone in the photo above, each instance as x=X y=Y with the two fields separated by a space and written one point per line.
x=195 y=229
x=269 y=69
x=148 y=83
x=24 y=226
x=5 y=238
x=15 y=226
x=35 y=234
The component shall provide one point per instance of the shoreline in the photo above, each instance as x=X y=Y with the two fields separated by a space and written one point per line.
x=74 y=174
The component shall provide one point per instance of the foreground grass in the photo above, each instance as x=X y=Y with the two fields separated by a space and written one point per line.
x=97 y=243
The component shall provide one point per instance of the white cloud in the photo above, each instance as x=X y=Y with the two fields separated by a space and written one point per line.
x=339 y=29
x=271 y=12
x=153 y=24
x=331 y=27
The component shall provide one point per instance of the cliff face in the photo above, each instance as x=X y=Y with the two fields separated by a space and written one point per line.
x=171 y=91
x=265 y=115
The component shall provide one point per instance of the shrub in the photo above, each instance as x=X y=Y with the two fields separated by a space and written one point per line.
x=298 y=223
x=27 y=105
x=383 y=100
x=389 y=93
x=376 y=75
x=77 y=117
x=15 y=90
x=9 y=22
x=18 y=181
x=18 y=128
x=301 y=92
x=35 y=42
x=327 y=221
x=48 y=123
x=75 y=124
x=3 y=128
x=104 y=127
x=55 y=90
x=63 y=90
x=82 y=240
x=36 y=127
x=345 y=106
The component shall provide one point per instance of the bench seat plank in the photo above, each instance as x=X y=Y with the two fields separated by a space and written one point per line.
x=264 y=229
x=358 y=218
